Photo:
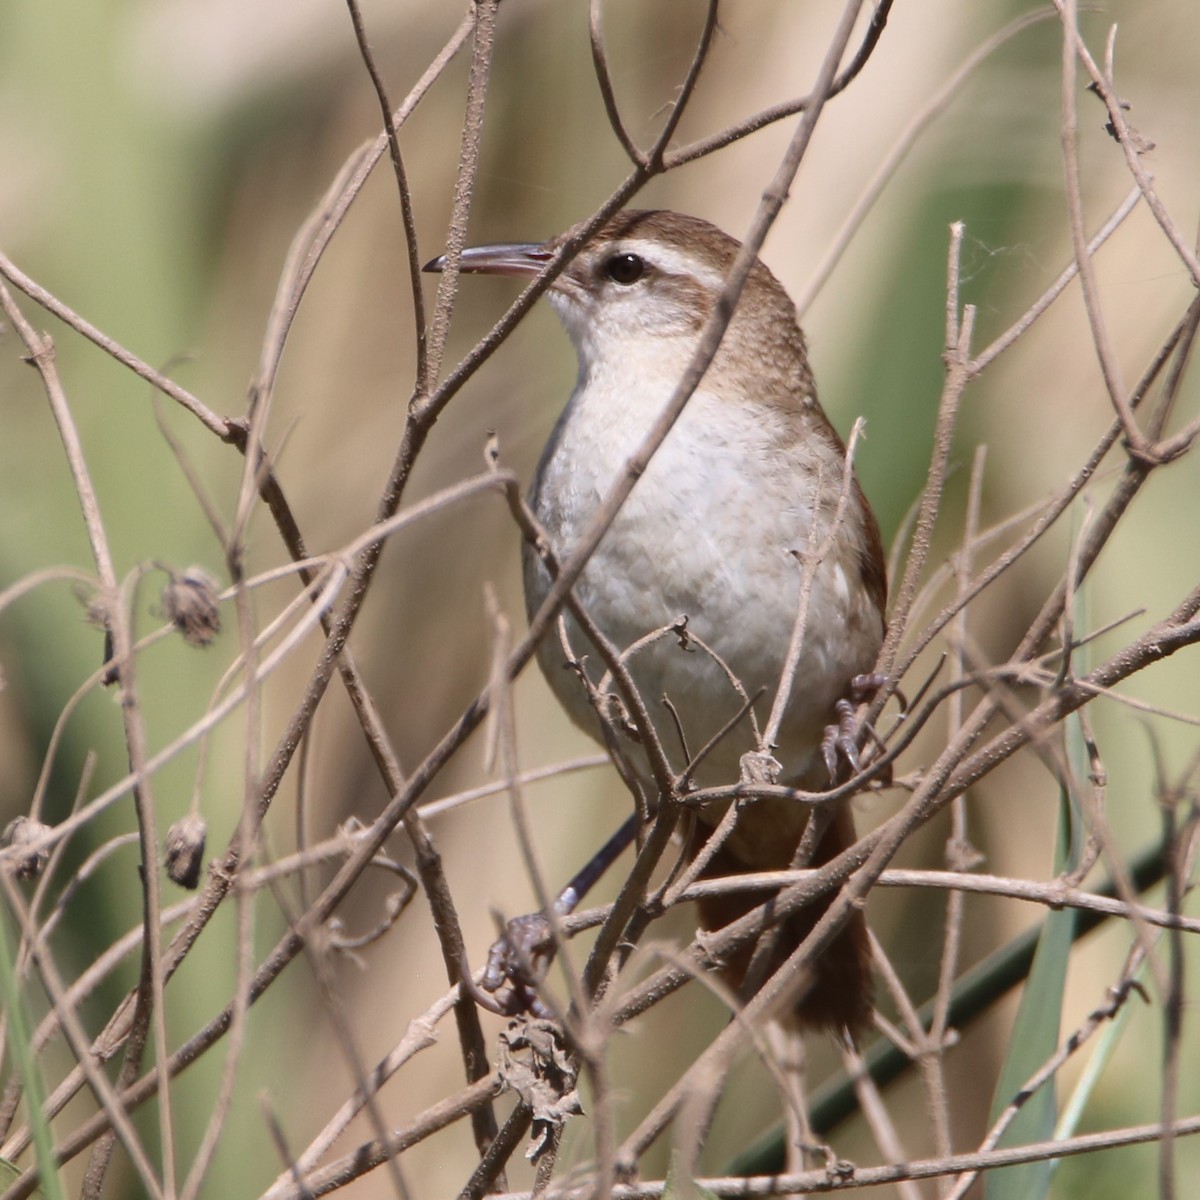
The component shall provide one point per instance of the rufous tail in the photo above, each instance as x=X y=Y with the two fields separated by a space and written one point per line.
x=839 y=994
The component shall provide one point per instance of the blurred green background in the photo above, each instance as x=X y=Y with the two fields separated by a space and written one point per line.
x=155 y=162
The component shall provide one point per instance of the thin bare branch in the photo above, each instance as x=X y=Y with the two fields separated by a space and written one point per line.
x=417 y=294
x=604 y=79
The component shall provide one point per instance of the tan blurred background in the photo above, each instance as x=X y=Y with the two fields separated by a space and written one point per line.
x=156 y=162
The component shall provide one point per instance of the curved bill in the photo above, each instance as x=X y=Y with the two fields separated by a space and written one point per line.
x=524 y=259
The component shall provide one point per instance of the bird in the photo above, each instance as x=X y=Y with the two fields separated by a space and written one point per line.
x=702 y=569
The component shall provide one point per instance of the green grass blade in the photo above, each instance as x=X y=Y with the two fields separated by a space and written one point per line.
x=1035 y=1032
x=31 y=1078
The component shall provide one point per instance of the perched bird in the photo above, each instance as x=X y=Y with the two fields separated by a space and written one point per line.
x=718 y=532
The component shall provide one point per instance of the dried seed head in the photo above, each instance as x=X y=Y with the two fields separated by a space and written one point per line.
x=536 y=1063
x=19 y=832
x=183 y=850
x=95 y=612
x=190 y=603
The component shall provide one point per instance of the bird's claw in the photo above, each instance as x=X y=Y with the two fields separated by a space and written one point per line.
x=840 y=741
x=863 y=687
x=516 y=963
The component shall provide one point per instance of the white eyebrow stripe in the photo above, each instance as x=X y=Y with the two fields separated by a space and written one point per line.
x=672 y=261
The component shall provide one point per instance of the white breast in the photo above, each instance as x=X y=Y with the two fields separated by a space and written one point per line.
x=711 y=532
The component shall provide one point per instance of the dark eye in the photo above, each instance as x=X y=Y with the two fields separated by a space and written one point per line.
x=625 y=268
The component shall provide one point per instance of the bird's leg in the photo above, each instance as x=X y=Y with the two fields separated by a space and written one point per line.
x=518 y=960
x=840 y=743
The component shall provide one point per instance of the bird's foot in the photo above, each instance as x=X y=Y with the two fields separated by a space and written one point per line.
x=840 y=742
x=519 y=959
x=516 y=963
